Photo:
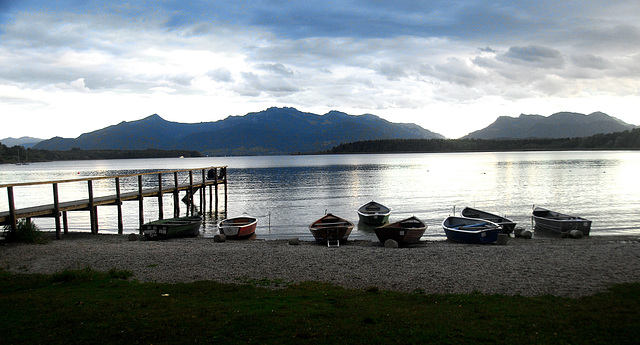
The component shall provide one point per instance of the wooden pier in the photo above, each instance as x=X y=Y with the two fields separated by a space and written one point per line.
x=199 y=179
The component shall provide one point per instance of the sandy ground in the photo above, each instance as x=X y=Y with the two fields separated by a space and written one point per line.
x=529 y=267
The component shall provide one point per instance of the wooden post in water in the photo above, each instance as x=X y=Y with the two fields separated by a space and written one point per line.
x=56 y=211
x=210 y=198
x=215 y=184
x=203 y=193
x=12 y=210
x=160 y=206
x=92 y=209
x=191 y=196
x=65 y=222
x=140 y=203
x=176 y=196
x=225 y=189
x=119 y=205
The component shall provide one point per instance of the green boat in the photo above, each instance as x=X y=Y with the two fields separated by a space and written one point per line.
x=172 y=228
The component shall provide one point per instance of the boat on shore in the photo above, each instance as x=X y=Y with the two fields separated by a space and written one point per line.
x=373 y=213
x=470 y=230
x=172 y=228
x=507 y=224
x=331 y=229
x=560 y=223
x=238 y=227
x=406 y=231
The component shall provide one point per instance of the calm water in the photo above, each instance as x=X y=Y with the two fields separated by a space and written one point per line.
x=286 y=193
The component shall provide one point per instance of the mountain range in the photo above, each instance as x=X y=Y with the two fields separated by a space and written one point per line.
x=272 y=131
x=25 y=142
x=288 y=130
x=558 y=125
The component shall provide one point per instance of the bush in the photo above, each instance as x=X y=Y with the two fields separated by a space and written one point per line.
x=26 y=232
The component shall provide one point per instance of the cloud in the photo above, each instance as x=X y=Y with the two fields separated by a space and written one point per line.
x=384 y=56
x=590 y=61
x=534 y=56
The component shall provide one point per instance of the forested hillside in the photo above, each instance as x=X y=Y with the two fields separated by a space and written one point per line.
x=613 y=141
x=18 y=154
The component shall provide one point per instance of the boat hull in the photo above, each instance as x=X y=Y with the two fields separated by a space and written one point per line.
x=238 y=227
x=470 y=230
x=406 y=231
x=331 y=228
x=507 y=224
x=373 y=213
x=172 y=228
x=560 y=223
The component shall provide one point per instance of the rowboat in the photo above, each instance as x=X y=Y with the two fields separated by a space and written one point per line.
x=238 y=227
x=373 y=213
x=507 y=224
x=470 y=230
x=172 y=228
x=406 y=231
x=331 y=229
x=560 y=223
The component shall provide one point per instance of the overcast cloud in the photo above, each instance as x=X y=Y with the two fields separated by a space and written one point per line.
x=449 y=66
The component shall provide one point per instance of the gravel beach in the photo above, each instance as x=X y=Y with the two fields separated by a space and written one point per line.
x=528 y=267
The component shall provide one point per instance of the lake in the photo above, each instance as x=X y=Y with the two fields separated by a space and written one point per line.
x=287 y=193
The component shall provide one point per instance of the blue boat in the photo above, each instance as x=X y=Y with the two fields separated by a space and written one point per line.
x=507 y=224
x=470 y=230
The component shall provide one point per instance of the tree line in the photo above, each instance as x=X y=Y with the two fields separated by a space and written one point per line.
x=18 y=154
x=629 y=140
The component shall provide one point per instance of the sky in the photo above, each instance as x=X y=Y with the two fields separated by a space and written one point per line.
x=71 y=66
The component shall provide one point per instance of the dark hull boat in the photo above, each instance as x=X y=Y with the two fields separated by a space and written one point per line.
x=560 y=223
x=172 y=228
x=331 y=229
x=238 y=227
x=373 y=213
x=507 y=224
x=470 y=230
x=406 y=231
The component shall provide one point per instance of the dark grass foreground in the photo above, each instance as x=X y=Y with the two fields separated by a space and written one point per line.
x=86 y=306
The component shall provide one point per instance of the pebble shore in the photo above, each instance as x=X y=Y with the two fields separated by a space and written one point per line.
x=528 y=267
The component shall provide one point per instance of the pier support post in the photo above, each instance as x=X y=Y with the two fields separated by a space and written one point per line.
x=191 y=196
x=119 y=205
x=65 y=222
x=140 y=203
x=92 y=209
x=203 y=193
x=176 y=196
x=12 y=210
x=56 y=211
x=225 y=189
x=160 y=205
x=216 y=188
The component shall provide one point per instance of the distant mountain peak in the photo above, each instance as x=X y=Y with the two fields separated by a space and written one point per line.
x=152 y=118
x=559 y=125
x=22 y=141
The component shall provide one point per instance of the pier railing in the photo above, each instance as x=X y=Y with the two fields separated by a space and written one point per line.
x=198 y=180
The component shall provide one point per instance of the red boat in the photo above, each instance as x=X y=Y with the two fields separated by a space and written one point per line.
x=331 y=229
x=238 y=227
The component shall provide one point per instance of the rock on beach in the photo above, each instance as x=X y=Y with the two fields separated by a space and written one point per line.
x=554 y=266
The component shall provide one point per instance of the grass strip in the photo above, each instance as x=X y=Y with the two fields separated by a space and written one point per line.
x=87 y=306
